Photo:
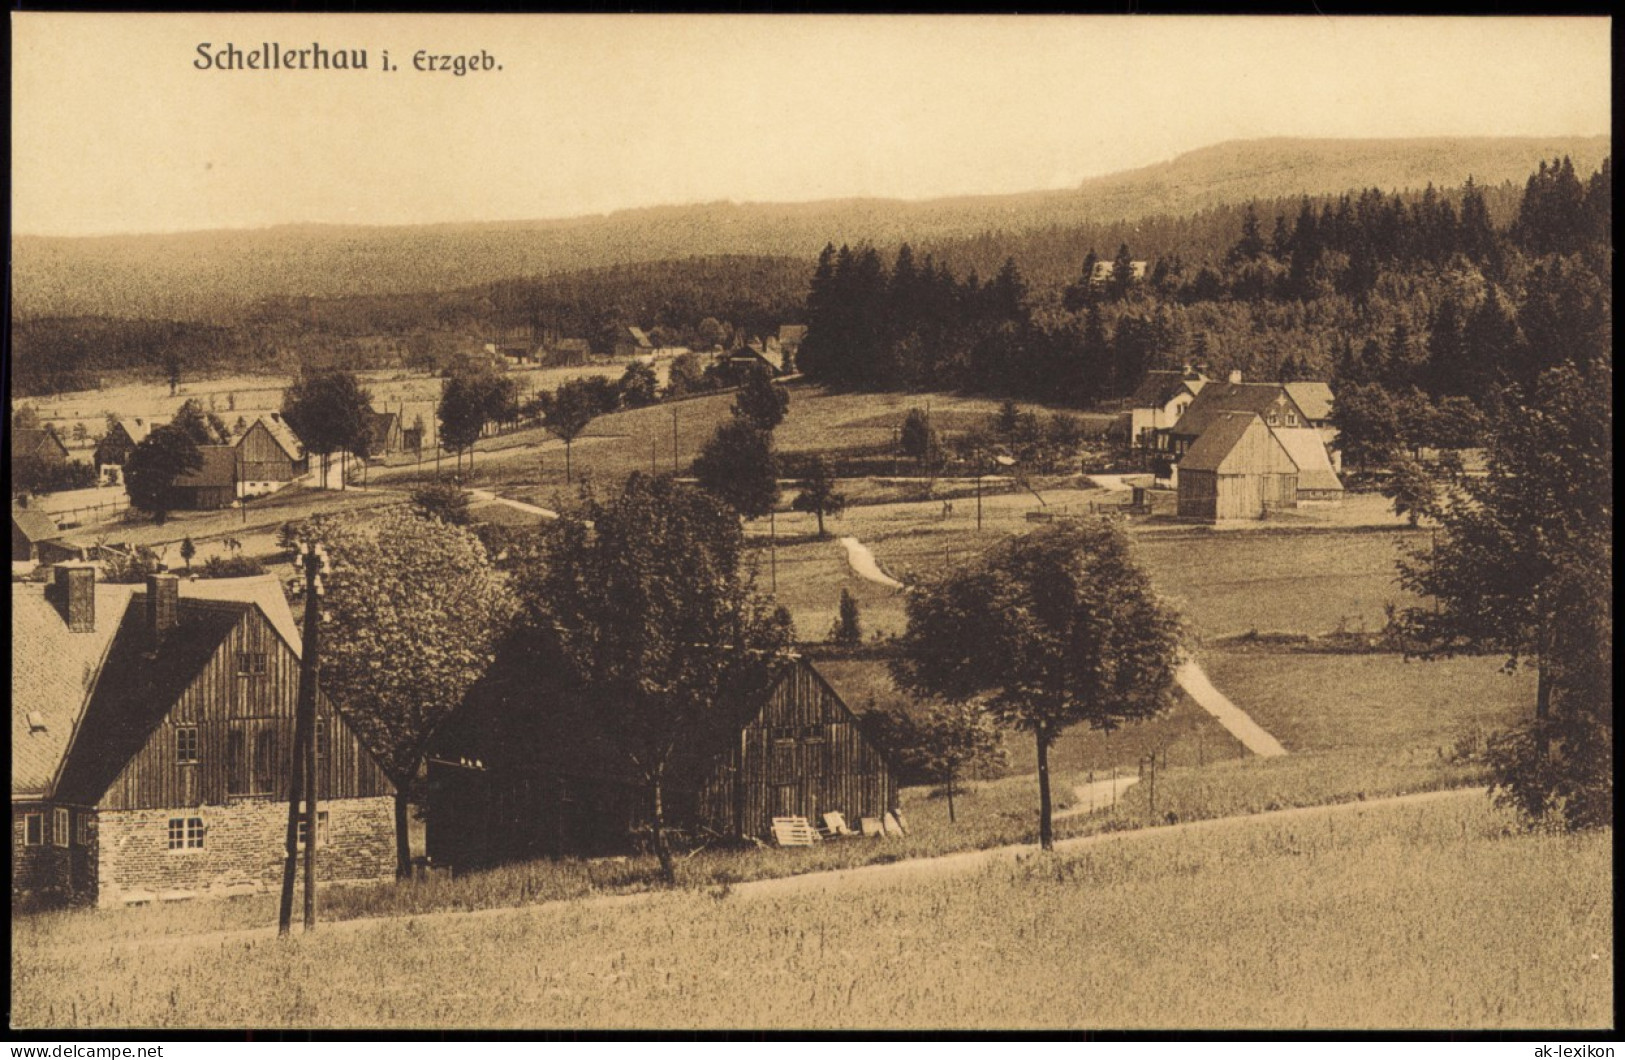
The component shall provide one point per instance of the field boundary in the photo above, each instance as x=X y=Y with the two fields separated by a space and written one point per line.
x=881 y=874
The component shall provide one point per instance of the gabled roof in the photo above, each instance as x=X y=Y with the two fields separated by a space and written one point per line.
x=138 y=688
x=1308 y=450
x=34 y=524
x=1218 y=397
x=219 y=469
x=52 y=672
x=1224 y=433
x=772 y=357
x=564 y=733
x=135 y=427
x=281 y=433
x=1160 y=386
x=103 y=683
x=27 y=441
x=381 y=423
x=262 y=590
x=1314 y=399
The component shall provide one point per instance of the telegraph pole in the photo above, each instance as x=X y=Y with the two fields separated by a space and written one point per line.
x=674 y=439
x=302 y=782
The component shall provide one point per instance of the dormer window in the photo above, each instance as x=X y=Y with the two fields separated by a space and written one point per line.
x=1273 y=419
x=36 y=722
x=1292 y=419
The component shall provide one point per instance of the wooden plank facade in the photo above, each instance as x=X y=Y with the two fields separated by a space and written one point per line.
x=802 y=755
x=229 y=736
x=796 y=751
x=262 y=458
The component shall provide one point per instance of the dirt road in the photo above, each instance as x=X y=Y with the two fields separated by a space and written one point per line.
x=1194 y=680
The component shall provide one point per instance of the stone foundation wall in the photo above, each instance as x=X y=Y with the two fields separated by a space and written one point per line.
x=242 y=852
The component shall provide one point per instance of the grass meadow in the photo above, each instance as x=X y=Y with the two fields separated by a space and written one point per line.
x=1426 y=915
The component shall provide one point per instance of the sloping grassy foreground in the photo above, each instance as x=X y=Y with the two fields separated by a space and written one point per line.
x=1428 y=915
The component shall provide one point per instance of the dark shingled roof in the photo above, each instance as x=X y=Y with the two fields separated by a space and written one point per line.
x=26 y=441
x=70 y=681
x=1157 y=389
x=35 y=524
x=219 y=469
x=515 y=717
x=52 y=671
x=1219 y=397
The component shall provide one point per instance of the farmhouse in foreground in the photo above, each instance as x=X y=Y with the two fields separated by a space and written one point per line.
x=508 y=784
x=152 y=735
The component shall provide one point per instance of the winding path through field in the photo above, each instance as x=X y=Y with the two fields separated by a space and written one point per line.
x=862 y=561
x=1194 y=680
x=1096 y=795
x=488 y=496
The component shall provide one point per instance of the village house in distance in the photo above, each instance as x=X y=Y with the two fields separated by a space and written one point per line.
x=150 y=733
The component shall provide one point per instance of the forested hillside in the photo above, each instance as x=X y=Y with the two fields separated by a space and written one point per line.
x=217 y=276
x=1422 y=310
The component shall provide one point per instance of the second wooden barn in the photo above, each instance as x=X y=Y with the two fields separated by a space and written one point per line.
x=507 y=785
x=1237 y=469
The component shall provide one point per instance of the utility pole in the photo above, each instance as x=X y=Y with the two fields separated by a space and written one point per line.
x=674 y=439
x=302 y=786
x=773 y=547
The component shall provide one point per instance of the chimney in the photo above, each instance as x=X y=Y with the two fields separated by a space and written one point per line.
x=76 y=595
x=1235 y=375
x=163 y=606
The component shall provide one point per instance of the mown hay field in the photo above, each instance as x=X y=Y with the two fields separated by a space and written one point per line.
x=1375 y=702
x=1432 y=914
x=1301 y=582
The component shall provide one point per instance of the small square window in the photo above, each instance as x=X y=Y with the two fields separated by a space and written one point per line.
x=251 y=663
x=1273 y=419
x=321 y=828
x=186 y=745
x=33 y=829
x=1292 y=419
x=61 y=826
x=186 y=833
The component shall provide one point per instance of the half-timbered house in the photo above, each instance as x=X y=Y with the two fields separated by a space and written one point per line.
x=152 y=740
x=547 y=781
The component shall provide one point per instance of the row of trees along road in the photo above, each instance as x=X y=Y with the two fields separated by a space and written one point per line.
x=331 y=412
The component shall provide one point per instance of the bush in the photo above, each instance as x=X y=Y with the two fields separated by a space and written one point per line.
x=231 y=567
x=443 y=501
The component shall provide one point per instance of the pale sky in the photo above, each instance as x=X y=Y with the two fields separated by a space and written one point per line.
x=114 y=130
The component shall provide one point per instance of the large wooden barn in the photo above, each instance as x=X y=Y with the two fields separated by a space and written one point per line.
x=1238 y=469
x=507 y=785
x=152 y=737
x=270 y=455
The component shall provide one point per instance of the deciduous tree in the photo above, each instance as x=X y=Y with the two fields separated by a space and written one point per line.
x=819 y=493
x=415 y=611
x=639 y=610
x=1048 y=630
x=737 y=466
x=1523 y=566
x=163 y=456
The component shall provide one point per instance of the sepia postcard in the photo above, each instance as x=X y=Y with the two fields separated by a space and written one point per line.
x=804 y=523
